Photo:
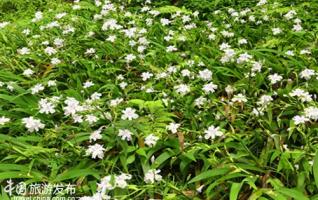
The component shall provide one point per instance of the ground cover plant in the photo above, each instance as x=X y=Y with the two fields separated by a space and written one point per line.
x=159 y=99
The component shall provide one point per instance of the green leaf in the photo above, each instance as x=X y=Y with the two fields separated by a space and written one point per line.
x=76 y=173
x=315 y=169
x=257 y=194
x=162 y=158
x=275 y=195
x=4 y=195
x=172 y=9
x=235 y=190
x=294 y=193
x=130 y=159
x=10 y=167
x=141 y=152
x=209 y=174
x=14 y=174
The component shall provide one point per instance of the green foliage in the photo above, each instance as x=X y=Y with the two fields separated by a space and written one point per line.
x=231 y=135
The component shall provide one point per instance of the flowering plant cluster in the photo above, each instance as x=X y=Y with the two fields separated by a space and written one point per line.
x=150 y=100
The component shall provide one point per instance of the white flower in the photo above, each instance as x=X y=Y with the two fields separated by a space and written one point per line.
x=297 y=21
x=123 y=85
x=105 y=184
x=110 y=24
x=125 y=134
x=58 y=42
x=245 y=57
x=196 y=13
x=88 y=84
x=130 y=57
x=274 y=78
x=129 y=113
x=141 y=49
x=130 y=33
x=227 y=34
x=212 y=133
x=307 y=73
x=300 y=119
x=199 y=189
x=297 y=27
x=51 y=83
x=228 y=55
x=76 y=7
x=171 y=48
x=200 y=101
x=154 y=12
x=276 y=31
x=304 y=96
x=10 y=86
x=182 y=89
x=311 y=112
x=32 y=124
x=121 y=180
x=242 y=41
x=24 y=51
x=95 y=135
x=72 y=106
x=258 y=111
x=26 y=32
x=290 y=14
x=290 y=53
x=37 y=16
x=28 y=72
x=151 y=140
x=172 y=69
x=150 y=90
x=115 y=102
x=152 y=175
x=240 y=98
x=229 y=90
x=265 y=100
x=50 y=51
x=96 y=150
x=96 y=96
x=37 y=88
x=91 y=119
x=161 y=75
x=146 y=75
x=4 y=120
x=120 y=77
x=77 y=118
x=185 y=72
x=165 y=21
x=111 y=38
x=211 y=36
x=60 y=15
x=257 y=67
x=173 y=127
x=210 y=88
x=205 y=75
x=305 y=51
x=55 y=61
x=224 y=46
x=53 y=24
x=46 y=107
x=90 y=51
x=3 y=24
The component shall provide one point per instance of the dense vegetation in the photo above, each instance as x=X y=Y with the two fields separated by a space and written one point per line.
x=179 y=99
